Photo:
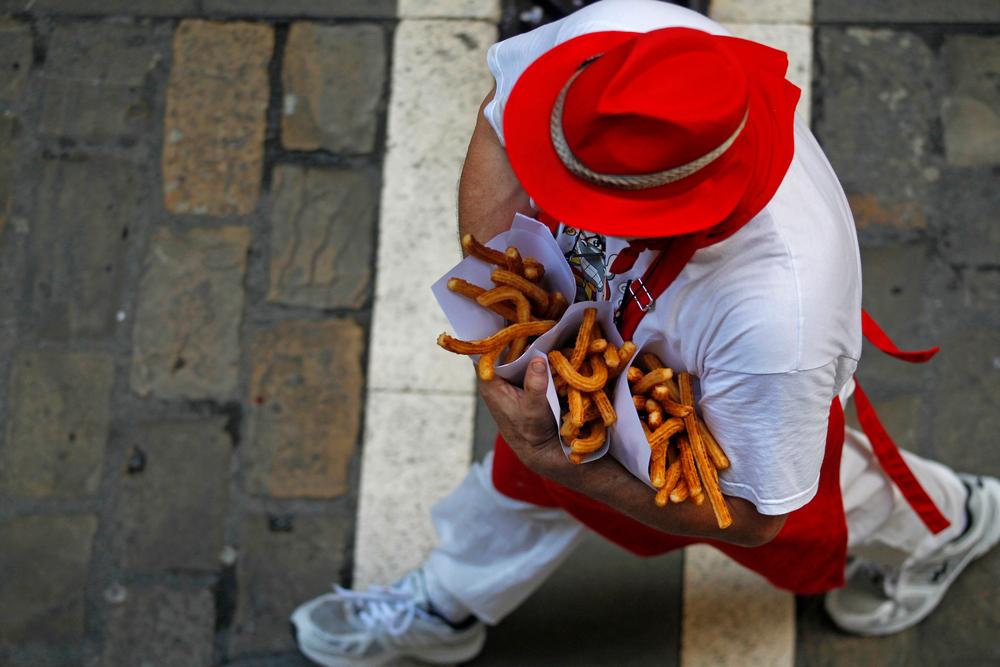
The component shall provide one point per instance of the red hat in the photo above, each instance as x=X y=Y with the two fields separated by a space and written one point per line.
x=652 y=134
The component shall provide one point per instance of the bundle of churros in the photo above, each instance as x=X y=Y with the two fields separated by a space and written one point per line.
x=529 y=310
x=684 y=456
x=580 y=376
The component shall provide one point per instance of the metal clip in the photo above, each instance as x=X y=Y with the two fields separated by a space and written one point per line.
x=650 y=302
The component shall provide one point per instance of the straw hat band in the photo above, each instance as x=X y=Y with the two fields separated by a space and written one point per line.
x=626 y=181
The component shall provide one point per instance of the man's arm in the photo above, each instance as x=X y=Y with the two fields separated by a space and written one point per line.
x=489 y=193
x=526 y=423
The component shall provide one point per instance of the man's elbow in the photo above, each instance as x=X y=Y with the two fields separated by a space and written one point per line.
x=757 y=529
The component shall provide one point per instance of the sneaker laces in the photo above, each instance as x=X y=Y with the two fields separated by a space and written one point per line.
x=381 y=607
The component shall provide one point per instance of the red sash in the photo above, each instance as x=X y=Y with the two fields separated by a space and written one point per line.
x=808 y=555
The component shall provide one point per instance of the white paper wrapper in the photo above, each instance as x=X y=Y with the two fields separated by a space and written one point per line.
x=629 y=444
x=564 y=335
x=470 y=321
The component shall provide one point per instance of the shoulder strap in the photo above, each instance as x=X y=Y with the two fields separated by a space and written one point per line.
x=657 y=278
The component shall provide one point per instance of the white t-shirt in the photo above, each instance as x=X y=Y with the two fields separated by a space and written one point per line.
x=768 y=319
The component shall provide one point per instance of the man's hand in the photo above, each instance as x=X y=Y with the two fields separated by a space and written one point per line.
x=525 y=419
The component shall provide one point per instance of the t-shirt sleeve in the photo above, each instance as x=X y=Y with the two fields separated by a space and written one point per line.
x=773 y=429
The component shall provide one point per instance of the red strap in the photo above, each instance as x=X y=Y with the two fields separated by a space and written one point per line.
x=873 y=332
x=658 y=277
x=895 y=466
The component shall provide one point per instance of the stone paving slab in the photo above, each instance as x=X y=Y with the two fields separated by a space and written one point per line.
x=303 y=8
x=98 y=80
x=160 y=626
x=102 y=8
x=44 y=561
x=333 y=81
x=336 y=9
x=887 y=92
x=171 y=505
x=185 y=341
x=911 y=11
x=58 y=424
x=971 y=111
x=128 y=327
x=322 y=228
x=213 y=146
x=306 y=392
x=77 y=288
x=15 y=59
x=9 y=130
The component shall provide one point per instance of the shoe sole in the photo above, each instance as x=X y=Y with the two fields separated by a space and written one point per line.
x=989 y=540
x=434 y=655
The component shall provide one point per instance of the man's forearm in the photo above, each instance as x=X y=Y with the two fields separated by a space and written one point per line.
x=607 y=481
x=489 y=193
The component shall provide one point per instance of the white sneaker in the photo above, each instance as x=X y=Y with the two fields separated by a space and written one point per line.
x=878 y=601
x=371 y=628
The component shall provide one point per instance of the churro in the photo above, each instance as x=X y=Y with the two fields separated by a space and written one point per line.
x=503 y=336
x=538 y=296
x=473 y=247
x=514 y=262
x=588 y=383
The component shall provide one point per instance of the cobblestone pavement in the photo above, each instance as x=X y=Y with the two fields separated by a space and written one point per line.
x=187 y=211
x=189 y=196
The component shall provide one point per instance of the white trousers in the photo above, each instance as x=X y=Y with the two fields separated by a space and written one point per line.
x=493 y=551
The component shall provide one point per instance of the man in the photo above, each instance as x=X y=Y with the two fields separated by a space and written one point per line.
x=718 y=224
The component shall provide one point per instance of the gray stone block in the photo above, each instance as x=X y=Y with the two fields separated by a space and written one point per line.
x=58 y=424
x=971 y=111
x=79 y=243
x=895 y=283
x=965 y=216
x=186 y=336
x=385 y=9
x=162 y=627
x=280 y=569
x=964 y=420
x=306 y=389
x=881 y=92
x=333 y=78
x=171 y=512
x=322 y=237
x=215 y=119
x=895 y=280
x=9 y=129
x=96 y=78
x=15 y=59
x=112 y=7
x=911 y=11
x=44 y=562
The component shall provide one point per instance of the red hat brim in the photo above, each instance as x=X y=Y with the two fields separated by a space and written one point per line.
x=737 y=184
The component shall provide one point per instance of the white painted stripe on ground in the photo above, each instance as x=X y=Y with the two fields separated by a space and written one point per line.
x=420 y=404
x=733 y=616
x=488 y=10
x=417 y=449
x=439 y=79
x=761 y=11
x=796 y=41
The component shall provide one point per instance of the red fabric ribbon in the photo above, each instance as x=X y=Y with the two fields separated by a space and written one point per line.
x=892 y=462
x=873 y=332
